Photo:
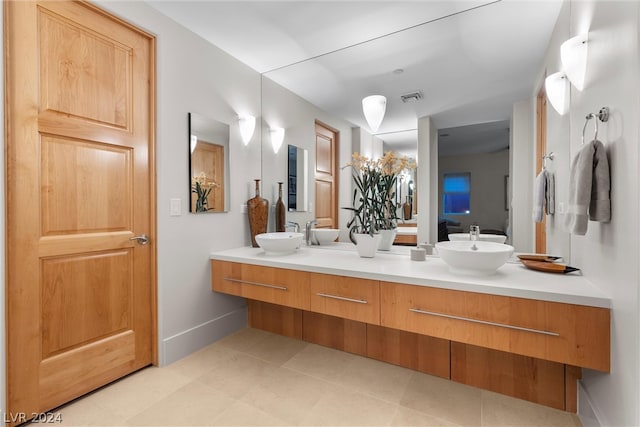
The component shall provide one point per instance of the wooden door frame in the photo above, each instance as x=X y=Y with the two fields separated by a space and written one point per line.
x=336 y=162
x=540 y=151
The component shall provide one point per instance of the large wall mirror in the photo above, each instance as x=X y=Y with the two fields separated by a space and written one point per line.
x=209 y=164
x=459 y=108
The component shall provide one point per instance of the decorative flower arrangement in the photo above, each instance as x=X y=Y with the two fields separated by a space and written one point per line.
x=374 y=204
x=202 y=186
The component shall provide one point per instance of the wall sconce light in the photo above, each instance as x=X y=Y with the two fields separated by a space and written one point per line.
x=374 y=107
x=247 y=125
x=193 y=142
x=557 y=87
x=277 y=136
x=573 y=54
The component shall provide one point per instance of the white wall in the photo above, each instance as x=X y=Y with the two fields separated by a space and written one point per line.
x=487 y=196
x=194 y=76
x=521 y=166
x=427 y=178
x=608 y=254
x=282 y=108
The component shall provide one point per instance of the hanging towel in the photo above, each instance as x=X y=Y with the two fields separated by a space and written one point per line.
x=539 y=191
x=588 y=188
x=600 y=204
x=550 y=201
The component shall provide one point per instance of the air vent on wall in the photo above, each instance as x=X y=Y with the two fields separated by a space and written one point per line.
x=411 y=97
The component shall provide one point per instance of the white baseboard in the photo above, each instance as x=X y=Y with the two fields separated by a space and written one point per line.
x=586 y=410
x=184 y=343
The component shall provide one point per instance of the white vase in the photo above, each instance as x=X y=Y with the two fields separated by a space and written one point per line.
x=386 y=239
x=367 y=244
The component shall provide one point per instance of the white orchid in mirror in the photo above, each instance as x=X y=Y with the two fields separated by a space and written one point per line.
x=201 y=187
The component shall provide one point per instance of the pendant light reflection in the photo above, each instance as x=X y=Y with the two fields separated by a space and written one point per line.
x=557 y=87
x=277 y=137
x=374 y=107
x=247 y=125
x=573 y=54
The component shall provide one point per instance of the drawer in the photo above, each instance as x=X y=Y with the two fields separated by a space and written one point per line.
x=275 y=285
x=346 y=297
x=566 y=333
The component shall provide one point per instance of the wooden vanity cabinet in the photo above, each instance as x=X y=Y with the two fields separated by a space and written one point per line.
x=346 y=297
x=274 y=285
x=525 y=348
x=565 y=333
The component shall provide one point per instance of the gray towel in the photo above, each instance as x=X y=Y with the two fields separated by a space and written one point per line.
x=551 y=194
x=588 y=188
x=600 y=205
x=539 y=191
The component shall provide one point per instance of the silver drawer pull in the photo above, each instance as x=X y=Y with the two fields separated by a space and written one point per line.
x=359 y=301
x=484 y=322
x=264 y=285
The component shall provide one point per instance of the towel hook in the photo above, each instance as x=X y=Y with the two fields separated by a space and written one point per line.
x=602 y=115
x=546 y=157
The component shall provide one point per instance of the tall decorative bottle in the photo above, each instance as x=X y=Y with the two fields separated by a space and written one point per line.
x=280 y=210
x=406 y=208
x=258 y=213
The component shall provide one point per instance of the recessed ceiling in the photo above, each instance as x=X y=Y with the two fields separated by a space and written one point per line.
x=471 y=60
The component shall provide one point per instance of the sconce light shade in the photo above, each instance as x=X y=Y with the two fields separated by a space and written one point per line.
x=247 y=125
x=374 y=107
x=573 y=54
x=277 y=136
x=557 y=87
x=193 y=143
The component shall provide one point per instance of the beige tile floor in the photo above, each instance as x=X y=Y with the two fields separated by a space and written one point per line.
x=254 y=378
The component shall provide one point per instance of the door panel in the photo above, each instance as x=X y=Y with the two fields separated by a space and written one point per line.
x=87 y=187
x=74 y=314
x=326 y=177
x=80 y=184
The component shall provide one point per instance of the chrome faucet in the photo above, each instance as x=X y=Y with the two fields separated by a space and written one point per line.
x=474 y=235
x=307 y=232
x=474 y=232
x=295 y=225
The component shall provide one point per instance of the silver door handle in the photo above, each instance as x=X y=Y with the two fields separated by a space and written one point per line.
x=142 y=239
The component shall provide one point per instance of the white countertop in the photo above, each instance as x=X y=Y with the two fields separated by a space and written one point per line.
x=512 y=279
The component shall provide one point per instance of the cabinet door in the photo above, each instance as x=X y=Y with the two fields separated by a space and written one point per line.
x=346 y=297
x=275 y=285
x=565 y=333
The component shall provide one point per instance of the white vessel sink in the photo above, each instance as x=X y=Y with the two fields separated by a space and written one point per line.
x=476 y=258
x=325 y=236
x=279 y=243
x=483 y=237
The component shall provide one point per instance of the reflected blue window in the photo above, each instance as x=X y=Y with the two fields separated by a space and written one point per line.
x=456 y=194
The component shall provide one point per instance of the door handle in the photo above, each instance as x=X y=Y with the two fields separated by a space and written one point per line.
x=142 y=239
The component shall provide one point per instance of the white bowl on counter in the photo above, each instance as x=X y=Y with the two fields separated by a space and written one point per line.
x=325 y=236
x=279 y=243
x=498 y=238
x=476 y=258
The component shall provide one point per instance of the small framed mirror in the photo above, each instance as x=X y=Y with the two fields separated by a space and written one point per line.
x=208 y=165
x=297 y=174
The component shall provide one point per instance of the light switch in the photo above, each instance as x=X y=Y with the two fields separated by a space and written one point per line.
x=243 y=209
x=176 y=207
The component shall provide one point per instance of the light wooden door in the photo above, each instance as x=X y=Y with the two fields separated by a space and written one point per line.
x=326 y=177
x=80 y=185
